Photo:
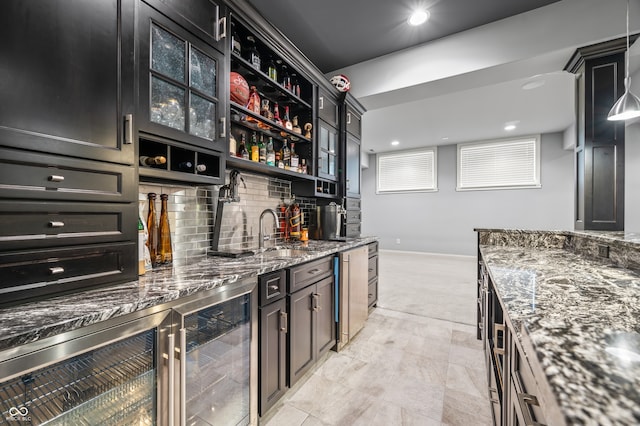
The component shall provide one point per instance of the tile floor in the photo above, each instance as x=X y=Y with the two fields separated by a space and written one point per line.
x=416 y=362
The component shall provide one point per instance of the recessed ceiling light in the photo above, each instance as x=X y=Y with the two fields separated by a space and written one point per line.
x=510 y=127
x=418 y=17
x=395 y=143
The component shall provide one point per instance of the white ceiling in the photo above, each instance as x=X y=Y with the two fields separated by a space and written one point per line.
x=467 y=86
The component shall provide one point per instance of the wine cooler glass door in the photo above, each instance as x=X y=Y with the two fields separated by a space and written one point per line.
x=113 y=384
x=217 y=377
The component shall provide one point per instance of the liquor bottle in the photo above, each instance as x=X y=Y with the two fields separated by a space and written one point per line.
x=285 y=79
x=253 y=56
x=142 y=241
x=295 y=86
x=165 y=253
x=243 y=151
x=286 y=120
x=254 y=102
x=236 y=45
x=186 y=166
x=201 y=168
x=262 y=150
x=295 y=160
x=286 y=155
x=152 y=161
x=284 y=220
x=265 y=111
x=272 y=71
x=303 y=166
x=279 y=162
x=255 y=150
x=152 y=227
x=276 y=114
x=295 y=221
x=271 y=154
x=233 y=150
x=295 y=126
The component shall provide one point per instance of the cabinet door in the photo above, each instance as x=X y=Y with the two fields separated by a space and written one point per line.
x=325 y=319
x=301 y=333
x=273 y=356
x=352 y=183
x=353 y=122
x=327 y=108
x=327 y=151
x=67 y=77
x=183 y=85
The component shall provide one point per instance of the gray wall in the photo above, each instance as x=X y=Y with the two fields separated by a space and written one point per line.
x=443 y=221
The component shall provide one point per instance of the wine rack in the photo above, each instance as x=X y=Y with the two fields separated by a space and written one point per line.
x=183 y=162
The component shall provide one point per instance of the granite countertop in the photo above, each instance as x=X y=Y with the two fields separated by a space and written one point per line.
x=32 y=321
x=582 y=319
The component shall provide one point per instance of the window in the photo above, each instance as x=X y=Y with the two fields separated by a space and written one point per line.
x=408 y=171
x=499 y=164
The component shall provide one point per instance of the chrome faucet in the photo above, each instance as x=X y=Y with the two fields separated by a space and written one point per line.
x=261 y=237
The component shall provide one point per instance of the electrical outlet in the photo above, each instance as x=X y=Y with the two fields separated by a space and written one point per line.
x=603 y=251
x=397 y=240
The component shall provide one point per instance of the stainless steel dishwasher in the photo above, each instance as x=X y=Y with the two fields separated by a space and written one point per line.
x=353 y=293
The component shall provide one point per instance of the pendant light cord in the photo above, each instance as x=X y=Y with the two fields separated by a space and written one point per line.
x=626 y=80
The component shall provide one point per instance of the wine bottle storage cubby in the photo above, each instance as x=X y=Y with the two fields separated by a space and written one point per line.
x=181 y=163
x=316 y=188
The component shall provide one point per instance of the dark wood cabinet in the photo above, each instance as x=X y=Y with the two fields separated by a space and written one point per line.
x=353 y=122
x=183 y=82
x=68 y=193
x=328 y=149
x=68 y=83
x=599 y=150
x=328 y=108
x=272 y=341
x=311 y=315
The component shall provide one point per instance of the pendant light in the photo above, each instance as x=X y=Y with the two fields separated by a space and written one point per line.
x=628 y=106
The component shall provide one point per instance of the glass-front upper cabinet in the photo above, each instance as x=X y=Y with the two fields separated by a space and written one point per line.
x=182 y=83
x=327 y=151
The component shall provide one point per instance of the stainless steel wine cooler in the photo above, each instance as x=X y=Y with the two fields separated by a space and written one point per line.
x=192 y=362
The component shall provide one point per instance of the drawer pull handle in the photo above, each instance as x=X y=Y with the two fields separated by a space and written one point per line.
x=283 y=322
x=56 y=270
x=498 y=328
x=128 y=129
x=525 y=400
x=274 y=287
x=53 y=224
x=314 y=271
x=55 y=178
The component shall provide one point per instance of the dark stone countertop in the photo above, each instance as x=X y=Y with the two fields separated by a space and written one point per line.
x=581 y=316
x=33 y=321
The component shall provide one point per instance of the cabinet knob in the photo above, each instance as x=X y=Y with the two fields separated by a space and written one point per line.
x=53 y=224
x=55 y=178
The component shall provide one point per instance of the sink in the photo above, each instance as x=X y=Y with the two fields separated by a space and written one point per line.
x=284 y=253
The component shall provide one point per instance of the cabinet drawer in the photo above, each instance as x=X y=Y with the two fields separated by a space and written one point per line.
x=32 y=224
x=272 y=286
x=37 y=176
x=309 y=273
x=352 y=230
x=373 y=248
x=352 y=204
x=526 y=395
x=373 y=267
x=30 y=274
x=328 y=109
x=373 y=292
x=353 y=216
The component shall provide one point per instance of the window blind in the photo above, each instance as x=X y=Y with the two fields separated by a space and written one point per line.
x=407 y=171
x=499 y=164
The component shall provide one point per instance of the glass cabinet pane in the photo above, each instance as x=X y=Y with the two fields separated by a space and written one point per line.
x=324 y=162
x=167 y=54
x=218 y=345
x=203 y=72
x=324 y=139
x=332 y=143
x=202 y=117
x=112 y=385
x=167 y=104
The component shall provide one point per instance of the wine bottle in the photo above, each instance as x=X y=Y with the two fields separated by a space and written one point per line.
x=303 y=166
x=152 y=161
x=276 y=114
x=253 y=55
x=278 y=159
x=272 y=71
x=262 y=150
x=152 y=227
x=255 y=150
x=295 y=86
x=185 y=166
x=286 y=155
x=165 y=253
x=201 y=168
x=285 y=78
x=243 y=152
x=233 y=150
x=236 y=45
x=271 y=154
x=295 y=126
